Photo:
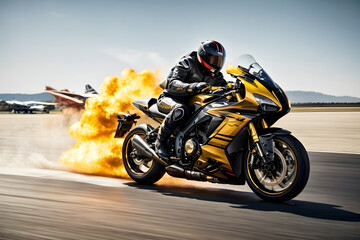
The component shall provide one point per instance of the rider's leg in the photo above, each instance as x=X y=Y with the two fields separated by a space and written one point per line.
x=178 y=113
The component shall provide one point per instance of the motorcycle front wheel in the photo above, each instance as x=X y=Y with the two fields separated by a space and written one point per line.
x=288 y=175
x=140 y=169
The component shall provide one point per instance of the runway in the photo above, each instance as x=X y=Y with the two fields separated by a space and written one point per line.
x=52 y=204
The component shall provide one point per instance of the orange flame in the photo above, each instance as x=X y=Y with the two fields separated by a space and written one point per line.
x=96 y=151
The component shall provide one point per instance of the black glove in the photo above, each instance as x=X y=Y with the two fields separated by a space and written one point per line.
x=199 y=87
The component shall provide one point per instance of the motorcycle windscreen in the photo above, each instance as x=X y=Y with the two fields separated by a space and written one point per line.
x=249 y=63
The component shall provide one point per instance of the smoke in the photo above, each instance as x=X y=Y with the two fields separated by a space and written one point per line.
x=35 y=140
x=38 y=160
x=96 y=151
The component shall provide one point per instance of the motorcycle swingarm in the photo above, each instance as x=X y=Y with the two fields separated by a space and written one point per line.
x=125 y=123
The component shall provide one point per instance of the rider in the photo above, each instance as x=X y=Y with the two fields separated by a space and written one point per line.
x=193 y=74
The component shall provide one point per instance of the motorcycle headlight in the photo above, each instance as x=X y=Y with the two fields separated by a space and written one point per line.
x=266 y=104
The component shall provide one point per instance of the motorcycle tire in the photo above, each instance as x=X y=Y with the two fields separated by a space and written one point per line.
x=143 y=171
x=290 y=173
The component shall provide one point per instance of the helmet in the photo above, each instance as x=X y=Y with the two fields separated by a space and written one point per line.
x=211 y=55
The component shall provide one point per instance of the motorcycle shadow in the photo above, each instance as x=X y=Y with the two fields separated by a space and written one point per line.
x=248 y=200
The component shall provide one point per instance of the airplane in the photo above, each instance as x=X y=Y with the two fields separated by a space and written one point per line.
x=4 y=106
x=74 y=100
x=30 y=106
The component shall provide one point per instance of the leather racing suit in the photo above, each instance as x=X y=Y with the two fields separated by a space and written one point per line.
x=186 y=79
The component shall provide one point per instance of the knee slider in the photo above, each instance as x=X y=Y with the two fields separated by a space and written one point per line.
x=177 y=114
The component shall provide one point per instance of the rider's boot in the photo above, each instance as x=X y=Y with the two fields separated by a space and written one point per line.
x=161 y=146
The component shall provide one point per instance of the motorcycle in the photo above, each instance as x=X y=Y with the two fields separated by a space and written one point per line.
x=228 y=139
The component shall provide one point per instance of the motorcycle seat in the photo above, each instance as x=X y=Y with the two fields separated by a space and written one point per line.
x=149 y=106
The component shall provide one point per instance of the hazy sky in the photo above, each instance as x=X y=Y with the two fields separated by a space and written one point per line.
x=304 y=45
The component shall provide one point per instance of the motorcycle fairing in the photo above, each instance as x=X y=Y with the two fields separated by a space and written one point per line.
x=257 y=81
x=223 y=129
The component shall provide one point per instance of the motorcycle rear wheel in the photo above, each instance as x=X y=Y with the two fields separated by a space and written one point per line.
x=142 y=170
x=290 y=173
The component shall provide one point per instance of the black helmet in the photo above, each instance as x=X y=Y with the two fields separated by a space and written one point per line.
x=211 y=55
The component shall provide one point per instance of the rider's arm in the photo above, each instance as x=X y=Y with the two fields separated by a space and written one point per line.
x=177 y=79
x=220 y=81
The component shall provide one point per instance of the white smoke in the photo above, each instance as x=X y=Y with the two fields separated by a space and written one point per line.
x=35 y=140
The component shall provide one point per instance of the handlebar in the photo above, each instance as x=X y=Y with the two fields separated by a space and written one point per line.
x=236 y=90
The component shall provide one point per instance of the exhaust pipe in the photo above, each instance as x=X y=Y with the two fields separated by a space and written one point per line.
x=179 y=172
x=144 y=150
x=174 y=170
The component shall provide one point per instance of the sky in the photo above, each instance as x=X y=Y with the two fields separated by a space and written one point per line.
x=303 y=45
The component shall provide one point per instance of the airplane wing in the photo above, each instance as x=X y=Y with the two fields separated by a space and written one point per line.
x=66 y=97
x=40 y=103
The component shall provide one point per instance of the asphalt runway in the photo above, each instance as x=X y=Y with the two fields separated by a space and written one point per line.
x=52 y=204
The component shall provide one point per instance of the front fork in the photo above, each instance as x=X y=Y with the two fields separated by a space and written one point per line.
x=266 y=158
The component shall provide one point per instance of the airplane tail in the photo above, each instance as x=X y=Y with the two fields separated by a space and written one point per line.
x=89 y=89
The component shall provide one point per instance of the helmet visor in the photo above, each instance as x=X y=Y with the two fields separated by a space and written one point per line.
x=216 y=62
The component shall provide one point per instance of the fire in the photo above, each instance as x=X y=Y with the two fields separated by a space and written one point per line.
x=96 y=151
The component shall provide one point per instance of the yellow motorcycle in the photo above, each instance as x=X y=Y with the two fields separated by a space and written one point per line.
x=229 y=138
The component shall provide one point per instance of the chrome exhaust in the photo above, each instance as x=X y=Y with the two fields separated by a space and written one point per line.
x=144 y=150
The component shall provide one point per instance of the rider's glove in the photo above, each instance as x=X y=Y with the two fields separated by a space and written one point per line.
x=199 y=87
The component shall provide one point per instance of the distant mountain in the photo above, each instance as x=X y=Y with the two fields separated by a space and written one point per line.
x=42 y=97
x=316 y=97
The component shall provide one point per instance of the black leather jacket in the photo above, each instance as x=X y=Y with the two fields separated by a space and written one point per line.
x=186 y=74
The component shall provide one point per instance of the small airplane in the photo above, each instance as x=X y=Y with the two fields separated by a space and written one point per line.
x=74 y=100
x=30 y=106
